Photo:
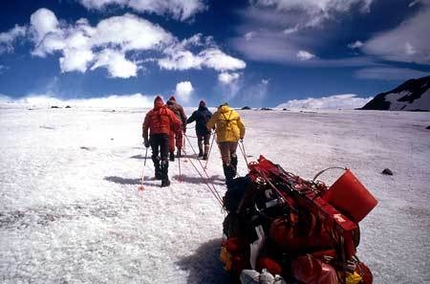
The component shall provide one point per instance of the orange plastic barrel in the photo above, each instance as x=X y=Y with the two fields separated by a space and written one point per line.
x=350 y=197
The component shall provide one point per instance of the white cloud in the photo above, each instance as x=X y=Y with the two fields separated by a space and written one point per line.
x=118 y=66
x=304 y=55
x=179 y=59
x=389 y=73
x=7 y=38
x=128 y=32
x=43 y=22
x=405 y=43
x=76 y=60
x=228 y=78
x=344 y=101
x=83 y=47
x=184 y=91
x=109 y=101
x=177 y=9
x=218 y=60
x=355 y=45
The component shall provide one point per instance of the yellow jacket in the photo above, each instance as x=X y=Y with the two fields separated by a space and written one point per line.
x=228 y=126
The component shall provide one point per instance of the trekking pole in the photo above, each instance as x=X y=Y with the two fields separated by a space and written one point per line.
x=210 y=149
x=143 y=170
x=179 y=167
x=183 y=141
x=242 y=148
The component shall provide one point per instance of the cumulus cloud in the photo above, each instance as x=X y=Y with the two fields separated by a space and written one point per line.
x=209 y=58
x=43 y=22
x=129 y=32
x=108 y=45
x=116 y=63
x=389 y=73
x=84 y=47
x=184 y=91
x=405 y=43
x=8 y=38
x=343 y=101
x=177 y=9
x=228 y=78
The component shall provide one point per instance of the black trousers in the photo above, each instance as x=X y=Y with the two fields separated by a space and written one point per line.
x=160 y=147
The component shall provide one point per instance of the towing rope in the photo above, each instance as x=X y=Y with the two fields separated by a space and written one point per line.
x=242 y=149
x=205 y=178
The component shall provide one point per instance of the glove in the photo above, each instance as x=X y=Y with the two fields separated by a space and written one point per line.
x=241 y=140
x=146 y=143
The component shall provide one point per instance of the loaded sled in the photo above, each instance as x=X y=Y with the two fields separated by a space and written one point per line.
x=281 y=228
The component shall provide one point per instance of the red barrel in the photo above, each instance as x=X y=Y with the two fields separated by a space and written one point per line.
x=350 y=197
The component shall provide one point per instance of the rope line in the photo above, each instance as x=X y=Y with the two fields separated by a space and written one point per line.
x=242 y=149
x=205 y=178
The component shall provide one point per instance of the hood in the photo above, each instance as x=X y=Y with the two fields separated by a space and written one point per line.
x=224 y=108
x=158 y=102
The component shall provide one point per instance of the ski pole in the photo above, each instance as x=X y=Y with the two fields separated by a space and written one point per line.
x=179 y=166
x=242 y=148
x=143 y=170
x=210 y=149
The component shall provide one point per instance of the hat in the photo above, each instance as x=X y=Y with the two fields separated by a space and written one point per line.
x=158 y=101
x=202 y=103
x=172 y=98
x=223 y=104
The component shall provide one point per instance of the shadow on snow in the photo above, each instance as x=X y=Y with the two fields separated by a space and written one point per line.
x=204 y=265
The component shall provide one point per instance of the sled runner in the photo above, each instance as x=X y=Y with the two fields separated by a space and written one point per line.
x=298 y=231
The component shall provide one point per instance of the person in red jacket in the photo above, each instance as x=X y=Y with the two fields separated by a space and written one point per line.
x=176 y=137
x=160 y=121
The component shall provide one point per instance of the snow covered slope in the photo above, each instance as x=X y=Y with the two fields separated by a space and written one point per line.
x=71 y=211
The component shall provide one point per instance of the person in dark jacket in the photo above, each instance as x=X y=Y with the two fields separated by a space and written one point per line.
x=160 y=121
x=201 y=116
x=176 y=137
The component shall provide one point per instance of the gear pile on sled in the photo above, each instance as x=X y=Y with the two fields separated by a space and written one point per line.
x=297 y=230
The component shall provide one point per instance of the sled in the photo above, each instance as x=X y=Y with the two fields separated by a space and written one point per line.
x=299 y=230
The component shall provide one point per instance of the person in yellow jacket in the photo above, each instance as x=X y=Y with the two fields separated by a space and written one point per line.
x=229 y=129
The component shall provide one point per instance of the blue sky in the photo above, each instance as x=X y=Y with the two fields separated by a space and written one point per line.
x=247 y=52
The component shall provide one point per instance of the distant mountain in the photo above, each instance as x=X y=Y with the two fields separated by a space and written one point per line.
x=412 y=95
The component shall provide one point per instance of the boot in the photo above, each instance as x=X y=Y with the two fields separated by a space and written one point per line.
x=157 y=169
x=164 y=171
x=228 y=173
x=172 y=156
x=234 y=165
x=179 y=153
x=200 y=144
x=165 y=182
x=206 y=153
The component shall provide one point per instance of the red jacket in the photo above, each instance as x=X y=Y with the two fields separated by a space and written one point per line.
x=160 y=120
